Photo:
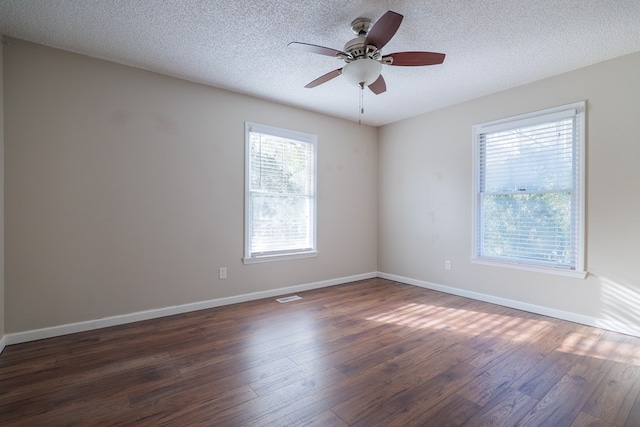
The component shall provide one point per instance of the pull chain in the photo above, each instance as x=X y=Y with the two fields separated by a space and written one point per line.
x=361 y=104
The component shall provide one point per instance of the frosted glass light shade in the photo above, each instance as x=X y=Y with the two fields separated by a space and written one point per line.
x=362 y=71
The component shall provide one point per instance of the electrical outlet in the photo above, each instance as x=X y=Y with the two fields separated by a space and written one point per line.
x=222 y=272
x=447 y=265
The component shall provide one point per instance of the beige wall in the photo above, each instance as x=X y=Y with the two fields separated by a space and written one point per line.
x=124 y=191
x=425 y=173
x=1 y=195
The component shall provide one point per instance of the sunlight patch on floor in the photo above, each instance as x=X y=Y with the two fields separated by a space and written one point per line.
x=468 y=322
x=585 y=341
x=603 y=345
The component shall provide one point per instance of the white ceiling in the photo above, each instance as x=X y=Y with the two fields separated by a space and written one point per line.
x=241 y=45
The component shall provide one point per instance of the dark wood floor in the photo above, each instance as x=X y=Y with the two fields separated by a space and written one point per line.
x=370 y=353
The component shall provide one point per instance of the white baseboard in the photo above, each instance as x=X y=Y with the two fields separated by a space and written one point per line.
x=3 y=343
x=54 y=331
x=611 y=325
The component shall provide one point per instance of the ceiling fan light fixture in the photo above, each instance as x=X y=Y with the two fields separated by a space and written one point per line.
x=363 y=56
x=362 y=72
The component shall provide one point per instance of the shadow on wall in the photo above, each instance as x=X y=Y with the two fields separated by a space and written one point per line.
x=620 y=304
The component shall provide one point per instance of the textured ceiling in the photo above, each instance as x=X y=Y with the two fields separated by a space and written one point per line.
x=491 y=45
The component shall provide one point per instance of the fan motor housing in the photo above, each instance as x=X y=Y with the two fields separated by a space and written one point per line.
x=358 y=49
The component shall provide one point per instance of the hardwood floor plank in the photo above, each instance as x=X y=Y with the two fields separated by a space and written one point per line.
x=382 y=354
x=304 y=416
x=284 y=378
x=492 y=354
x=506 y=409
x=538 y=380
x=586 y=420
x=614 y=397
x=633 y=420
x=369 y=353
x=202 y=404
x=243 y=337
x=34 y=350
x=562 y=403
x=335 y=355
x=243 y=357
x=80 y=413
x=345 y=341
x=500 y=324
x=25 y=372
x=453 y=411
x=105 y=388
x=500 y=376
x=411 y=404
x=300 y=411
x=57 y=380
x=219 y=377
x=399 y=376
x=250 y=411
x=325 y=419
x=381 y=380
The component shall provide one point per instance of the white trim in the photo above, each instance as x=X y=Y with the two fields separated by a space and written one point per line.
x=248 y=220
x=284 y=257
x=54 y=331
x=575 y=109
x=89 y=325
x=523 y=120
x=3 y=343
x=530 y=267
x=612 y=325
x=280 y=132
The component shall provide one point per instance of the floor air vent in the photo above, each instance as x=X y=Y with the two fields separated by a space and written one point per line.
x=288 y=299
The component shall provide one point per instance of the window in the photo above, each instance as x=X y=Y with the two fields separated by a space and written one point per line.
x=529 y=191
x=280 y=194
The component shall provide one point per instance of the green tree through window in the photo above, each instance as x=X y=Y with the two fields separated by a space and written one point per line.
x=280 y=202
x=529 y=189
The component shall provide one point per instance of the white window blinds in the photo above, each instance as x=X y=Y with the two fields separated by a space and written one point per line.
x=529 y=193
x=280 y=192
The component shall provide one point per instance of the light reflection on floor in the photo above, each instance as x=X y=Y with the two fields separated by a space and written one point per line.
x=584 y=340
x=462 y=321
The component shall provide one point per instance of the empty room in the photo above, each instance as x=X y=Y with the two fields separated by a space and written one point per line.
x=299 y=213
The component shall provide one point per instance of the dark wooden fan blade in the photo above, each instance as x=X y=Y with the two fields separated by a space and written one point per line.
x=379 y=86
x=323 y=79
x=318 y=49
x=384 y=29
x=414 y=59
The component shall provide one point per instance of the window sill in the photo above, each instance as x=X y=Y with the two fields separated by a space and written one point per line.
x=528 y=267
x=284 y=257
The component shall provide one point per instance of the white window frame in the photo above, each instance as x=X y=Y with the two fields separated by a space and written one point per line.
x=249 y=256
x=577 y=110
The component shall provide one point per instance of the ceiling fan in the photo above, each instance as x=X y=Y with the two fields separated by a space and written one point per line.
x=363 y=57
